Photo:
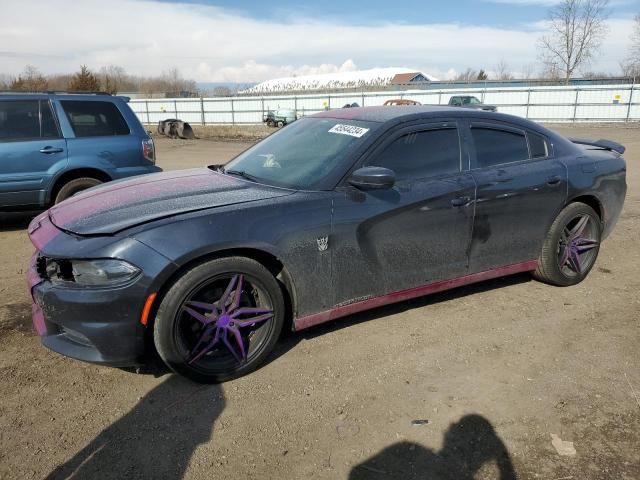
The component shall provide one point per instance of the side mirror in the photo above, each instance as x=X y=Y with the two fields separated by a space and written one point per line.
x=373 y=178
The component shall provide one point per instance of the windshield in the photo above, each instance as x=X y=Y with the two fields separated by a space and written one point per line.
x=301 y=154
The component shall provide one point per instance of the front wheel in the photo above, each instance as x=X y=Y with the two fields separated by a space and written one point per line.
x=220 y=320
x=571 y=247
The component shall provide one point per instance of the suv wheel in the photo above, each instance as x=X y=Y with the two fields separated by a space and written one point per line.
x=74 y=186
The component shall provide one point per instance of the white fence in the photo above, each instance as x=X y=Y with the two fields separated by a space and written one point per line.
x=606 y=103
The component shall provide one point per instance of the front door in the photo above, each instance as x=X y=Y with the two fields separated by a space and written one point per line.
x=415 y=233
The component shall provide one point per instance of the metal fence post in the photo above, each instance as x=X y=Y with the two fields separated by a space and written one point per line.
x=233 y=113
x=575 y=105
x=202 y=118
x=630 y=100
x=175 y=108
x=362 y=98
x=528 y=103
x=146 y=103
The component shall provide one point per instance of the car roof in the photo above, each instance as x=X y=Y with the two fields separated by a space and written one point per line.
x=15 y=95
x=401 y=113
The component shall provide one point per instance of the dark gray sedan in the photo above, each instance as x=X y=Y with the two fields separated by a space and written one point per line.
x=337 y=213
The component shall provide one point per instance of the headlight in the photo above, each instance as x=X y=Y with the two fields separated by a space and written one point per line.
x=90 y=273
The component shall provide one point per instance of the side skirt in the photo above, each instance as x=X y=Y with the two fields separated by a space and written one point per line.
x=307 y=321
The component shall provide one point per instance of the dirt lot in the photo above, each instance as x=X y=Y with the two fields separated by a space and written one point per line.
x=496 y=369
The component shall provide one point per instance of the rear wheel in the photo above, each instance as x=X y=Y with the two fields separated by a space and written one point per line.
x=74 y=186
x=571 y=247
x=280 y=124
x=220 y=320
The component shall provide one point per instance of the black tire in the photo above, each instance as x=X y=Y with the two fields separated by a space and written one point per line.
x=74 y=186
x=564 y=260
x=177 y=334
x=280 y=124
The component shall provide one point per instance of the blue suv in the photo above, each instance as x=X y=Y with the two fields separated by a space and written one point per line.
x=54 y=145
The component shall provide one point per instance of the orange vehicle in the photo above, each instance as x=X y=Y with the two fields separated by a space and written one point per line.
x=401 y=101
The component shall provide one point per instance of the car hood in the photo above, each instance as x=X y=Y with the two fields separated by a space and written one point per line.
x=115 y=206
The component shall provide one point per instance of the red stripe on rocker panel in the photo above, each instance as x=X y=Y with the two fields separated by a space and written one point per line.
x=399 y=296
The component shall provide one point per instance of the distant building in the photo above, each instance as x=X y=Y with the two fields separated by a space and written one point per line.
x=376 y=78
x=411 y=77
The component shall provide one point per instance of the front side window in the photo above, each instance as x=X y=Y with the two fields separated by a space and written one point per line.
x=302 y=154
x=95 y=119
x=422 y=154
x=495 y=147
x=19 y=120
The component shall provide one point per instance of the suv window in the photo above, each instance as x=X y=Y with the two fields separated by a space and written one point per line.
x=538 y=145
x=422 y=154
x=94 y=119
x=494 y=147
x=19 y=119
x=26 y=120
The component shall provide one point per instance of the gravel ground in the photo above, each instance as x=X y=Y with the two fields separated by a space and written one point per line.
x=501 y=373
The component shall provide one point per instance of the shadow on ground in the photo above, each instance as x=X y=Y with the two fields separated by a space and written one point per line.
x=16 y=220
x=469 y=445
x=156 y=439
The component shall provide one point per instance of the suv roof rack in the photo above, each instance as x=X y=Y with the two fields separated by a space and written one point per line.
x=55 y=92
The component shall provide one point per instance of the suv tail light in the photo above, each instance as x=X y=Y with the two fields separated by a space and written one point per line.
x=149 y=150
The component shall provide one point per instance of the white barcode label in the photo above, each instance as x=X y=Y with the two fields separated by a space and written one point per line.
x=350 y=130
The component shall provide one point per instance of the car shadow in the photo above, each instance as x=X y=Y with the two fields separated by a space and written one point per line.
x=10 y=221
x=156 y=439
x=290 y=339
x=468 y=445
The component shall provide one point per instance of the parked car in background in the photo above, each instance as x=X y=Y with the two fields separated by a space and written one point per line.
x=401 y=101
x=469 y=101
x=280 y=118
x=55 y=145
x=343 y=211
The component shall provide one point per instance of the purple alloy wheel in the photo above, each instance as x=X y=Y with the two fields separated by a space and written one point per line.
x=578 y=246
x=225 y=322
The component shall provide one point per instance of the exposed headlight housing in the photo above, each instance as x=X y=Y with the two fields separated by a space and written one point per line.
x=104 y=272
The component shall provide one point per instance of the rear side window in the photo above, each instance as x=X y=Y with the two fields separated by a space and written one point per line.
x=95 y=119
x=494 y=147
x=422 y=154
x=26 y=120
x=538 y=145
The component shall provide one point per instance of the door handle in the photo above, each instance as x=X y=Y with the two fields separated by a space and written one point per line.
x=48 y=150
x=554 y=180
x=460 y=201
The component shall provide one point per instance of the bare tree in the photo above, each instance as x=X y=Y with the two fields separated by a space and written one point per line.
x=631 y=66
x=502 y=71
x=577 y=28
x=528 y=72
x=30 y=80
x=112 y=78
x=467 y=76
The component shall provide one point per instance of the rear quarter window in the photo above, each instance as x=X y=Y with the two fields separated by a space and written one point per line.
x=94 y=119
x=538 y=145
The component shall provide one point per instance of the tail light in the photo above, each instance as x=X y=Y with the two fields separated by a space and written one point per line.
x=149 y=150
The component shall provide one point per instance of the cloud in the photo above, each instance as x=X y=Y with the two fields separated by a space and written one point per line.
x=215 y=44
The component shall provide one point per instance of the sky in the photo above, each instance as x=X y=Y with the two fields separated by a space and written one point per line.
x=256 y=40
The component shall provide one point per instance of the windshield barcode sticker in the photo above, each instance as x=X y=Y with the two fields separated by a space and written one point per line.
x=350 y=130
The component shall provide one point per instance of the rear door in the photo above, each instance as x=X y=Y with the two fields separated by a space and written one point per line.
x=32 y=150
x=521 y=188
x=415 y=233
x=101 y=137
